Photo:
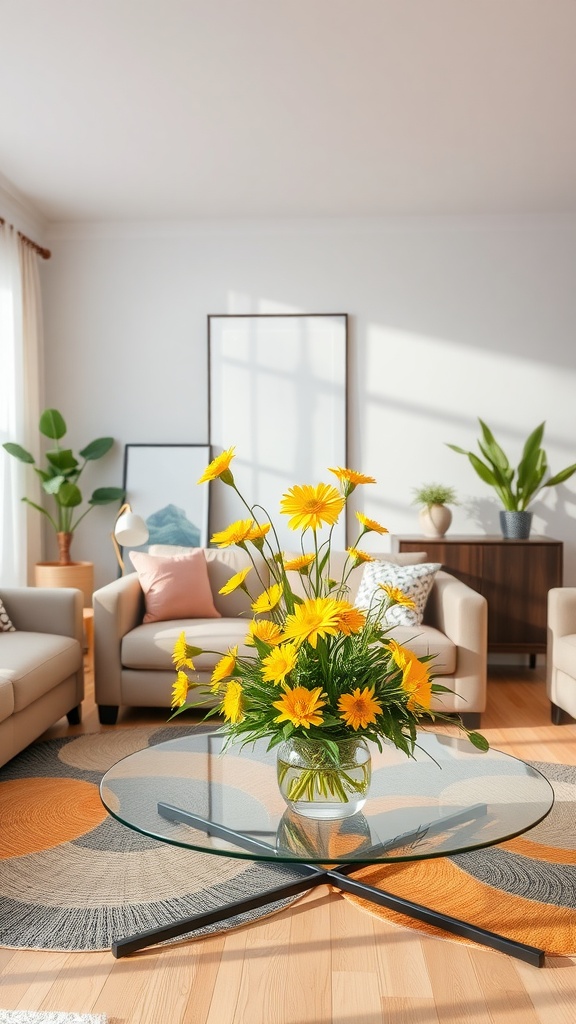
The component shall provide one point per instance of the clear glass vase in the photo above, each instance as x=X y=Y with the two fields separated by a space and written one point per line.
x=317 y=785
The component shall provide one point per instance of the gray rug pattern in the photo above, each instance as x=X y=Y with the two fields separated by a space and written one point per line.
x=112 y=882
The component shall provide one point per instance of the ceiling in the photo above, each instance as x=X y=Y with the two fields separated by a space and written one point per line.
x=182 y=109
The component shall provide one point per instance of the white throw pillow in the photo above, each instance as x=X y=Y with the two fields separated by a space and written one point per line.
x=5 y=623
x=415 y=581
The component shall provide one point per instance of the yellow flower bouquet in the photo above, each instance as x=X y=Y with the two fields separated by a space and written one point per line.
x=324 y=676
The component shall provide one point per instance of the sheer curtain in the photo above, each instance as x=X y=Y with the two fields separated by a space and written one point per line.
x=20 y=387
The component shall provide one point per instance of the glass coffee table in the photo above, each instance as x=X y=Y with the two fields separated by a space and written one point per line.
x=448 y=799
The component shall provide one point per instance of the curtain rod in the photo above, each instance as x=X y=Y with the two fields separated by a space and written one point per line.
x=44 y=253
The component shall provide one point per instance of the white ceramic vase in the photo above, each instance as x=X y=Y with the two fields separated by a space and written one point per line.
x=435 y=520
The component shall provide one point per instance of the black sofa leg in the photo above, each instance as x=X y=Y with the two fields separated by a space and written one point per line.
x=75 y=715
x=107 y=713
x=556 y=714
x=471 y=719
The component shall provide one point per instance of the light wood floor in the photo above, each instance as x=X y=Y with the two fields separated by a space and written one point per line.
x=322 y=961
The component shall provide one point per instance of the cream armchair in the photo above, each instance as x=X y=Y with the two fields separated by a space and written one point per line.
x=561 y=653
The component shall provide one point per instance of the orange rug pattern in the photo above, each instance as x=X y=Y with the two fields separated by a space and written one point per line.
x=524 y=889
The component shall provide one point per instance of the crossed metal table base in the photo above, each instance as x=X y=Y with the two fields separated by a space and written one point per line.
x=314 y=875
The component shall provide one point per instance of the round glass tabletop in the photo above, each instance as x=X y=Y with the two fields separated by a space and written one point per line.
x=449 y=798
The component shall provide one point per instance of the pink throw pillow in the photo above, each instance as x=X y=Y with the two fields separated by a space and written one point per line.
x=176 y=587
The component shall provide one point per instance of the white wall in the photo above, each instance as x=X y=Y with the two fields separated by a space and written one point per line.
x=449 y=320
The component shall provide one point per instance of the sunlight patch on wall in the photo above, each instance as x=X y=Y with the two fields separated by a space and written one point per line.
x=418 y=393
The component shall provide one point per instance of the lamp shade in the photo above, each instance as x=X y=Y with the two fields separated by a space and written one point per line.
x=131 y=530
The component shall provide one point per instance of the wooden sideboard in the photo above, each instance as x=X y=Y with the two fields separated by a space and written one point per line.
x=513 y=575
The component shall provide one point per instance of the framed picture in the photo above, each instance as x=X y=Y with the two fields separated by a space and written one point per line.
x=277 y=392
x=160 y=482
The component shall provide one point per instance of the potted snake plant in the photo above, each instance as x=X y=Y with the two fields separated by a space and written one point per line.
x=516 y=488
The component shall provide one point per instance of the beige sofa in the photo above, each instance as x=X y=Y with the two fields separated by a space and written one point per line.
x=132 y=659
x=561 y=653
x=41 y=664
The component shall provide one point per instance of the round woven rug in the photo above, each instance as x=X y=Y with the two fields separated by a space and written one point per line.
x=524 y=889
x=73 y=878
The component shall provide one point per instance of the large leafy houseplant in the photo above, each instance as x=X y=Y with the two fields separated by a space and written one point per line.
x=517 y=487
x=322 y=669
x=60 y=477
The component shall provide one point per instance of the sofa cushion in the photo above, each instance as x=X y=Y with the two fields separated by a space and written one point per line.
x=222 y=564
x=175 y=587
x=150 y=646
x=414 y=581
x=35 y=663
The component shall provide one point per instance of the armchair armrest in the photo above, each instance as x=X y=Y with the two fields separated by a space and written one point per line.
x=562 y=611
x=461 y=613
x=118 y=608
x=458 y=611
x=55 y=610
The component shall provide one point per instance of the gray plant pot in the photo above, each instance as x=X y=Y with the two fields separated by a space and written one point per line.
x=515 y=525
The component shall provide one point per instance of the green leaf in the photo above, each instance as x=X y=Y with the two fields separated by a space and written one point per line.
x=69 y=495
x=96 y=449
x=478 y=741
x=38 y=508
x=62 y=459
x=560 y=477
x=484 y=471
x=497 y=456
x=53 y=484
x=534 y=441
x=52 y=424
x=455 y=448
x=18 y=452
x=104 y=495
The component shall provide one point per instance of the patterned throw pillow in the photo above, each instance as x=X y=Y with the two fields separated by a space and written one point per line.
x=5 y=624
x=415 y=581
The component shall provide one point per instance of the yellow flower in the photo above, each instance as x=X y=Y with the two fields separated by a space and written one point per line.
x=350 y=478
x=180 y=689
x=370 y=524
x=312 y=507
x=300 y=706
x=225 y=667
x=359 y=556
x=397 y=596
x=415 y=677
x=233 y=703
x=359 y=709
x=314 y=618
x=218 y=467
x=180 y=655
x=350 y=619
x=279 y=663
x=264 y=630
x=258 y=532
x=235 y=581
x=300 y=564
x=236 y=533
x=269 y=599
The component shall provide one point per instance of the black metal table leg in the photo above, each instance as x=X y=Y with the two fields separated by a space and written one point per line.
x=122 y=947
x=339 y=878
x=529 y=954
